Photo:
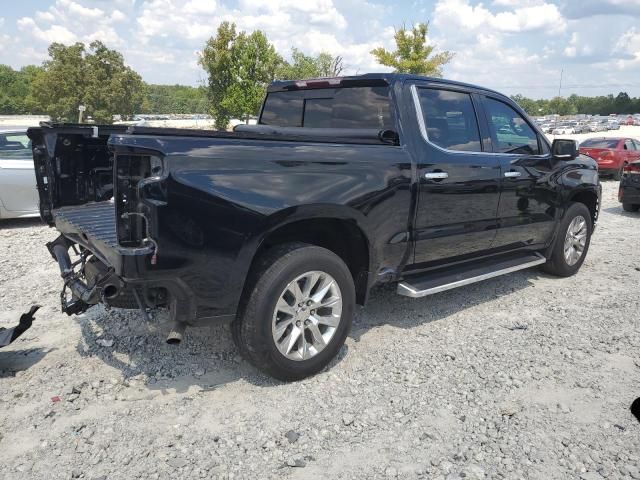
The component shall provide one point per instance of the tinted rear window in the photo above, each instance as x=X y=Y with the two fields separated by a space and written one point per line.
x=599 y=143
x=450 y=119
x=353 y=107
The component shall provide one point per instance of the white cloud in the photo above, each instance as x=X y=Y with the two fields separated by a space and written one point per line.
x=68 y=21
x=118 y=16
x=629 y=45
x=487 y=45
x=517 y=3
x=313 y=26
x=546 y=17
x=579 y=46
x=45 y=16
x=80 y=11
x=54 y=33
x=201 y=6
x=4 y=38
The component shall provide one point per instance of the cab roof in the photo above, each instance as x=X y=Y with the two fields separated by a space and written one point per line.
x=368 y=79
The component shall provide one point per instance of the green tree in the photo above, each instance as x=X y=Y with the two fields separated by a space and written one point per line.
x=301 y=67
x=413 y=54
x=176 y=99
x=561 y=106
x=622 y=103
x=329 y=65
x=217 y=60
x=96 y=78
x=15 y=88
x=239 y=66
x=305 y=66
x=255 y=67
x=528 y=105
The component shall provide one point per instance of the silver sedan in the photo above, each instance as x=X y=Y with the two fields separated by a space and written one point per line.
x=18 y=191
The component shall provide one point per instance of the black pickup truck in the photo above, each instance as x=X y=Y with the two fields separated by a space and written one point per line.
x=283 y=227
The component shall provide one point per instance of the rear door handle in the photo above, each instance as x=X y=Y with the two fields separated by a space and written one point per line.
x=436 y=175
x=512 y=174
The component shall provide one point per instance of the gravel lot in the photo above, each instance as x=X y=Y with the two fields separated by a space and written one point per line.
x=524 y=376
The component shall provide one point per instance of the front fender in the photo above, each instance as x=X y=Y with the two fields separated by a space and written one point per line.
x=580 y=173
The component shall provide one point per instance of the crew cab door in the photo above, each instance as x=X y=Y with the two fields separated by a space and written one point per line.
x=528 y=197
x=458 y=180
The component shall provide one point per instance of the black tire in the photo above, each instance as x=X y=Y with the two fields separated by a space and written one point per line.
x=630 y=207
x=557 y=264
x=252 y=328
x=617 y=175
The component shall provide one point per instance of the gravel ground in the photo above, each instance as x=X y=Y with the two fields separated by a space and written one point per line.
x=523 y=376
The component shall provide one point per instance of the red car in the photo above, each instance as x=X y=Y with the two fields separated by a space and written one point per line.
x=612 y=154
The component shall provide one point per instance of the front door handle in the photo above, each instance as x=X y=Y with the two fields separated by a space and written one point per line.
x=512 y=174
x=436 y=175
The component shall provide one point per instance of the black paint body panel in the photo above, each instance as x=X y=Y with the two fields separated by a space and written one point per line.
x=223 y=197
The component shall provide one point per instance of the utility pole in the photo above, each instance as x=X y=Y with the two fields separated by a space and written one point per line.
x=560 y=87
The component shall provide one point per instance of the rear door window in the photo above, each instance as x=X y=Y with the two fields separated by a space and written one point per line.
x=15 y=146
x=345 y=107
x=450 y=119
x=511 y=132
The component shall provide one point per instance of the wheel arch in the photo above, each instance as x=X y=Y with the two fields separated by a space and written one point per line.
x=590 y=200
x=340 y=234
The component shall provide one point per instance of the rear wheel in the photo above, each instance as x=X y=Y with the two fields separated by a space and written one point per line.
x=630 y=207
x=572 y=242
x=297 y=313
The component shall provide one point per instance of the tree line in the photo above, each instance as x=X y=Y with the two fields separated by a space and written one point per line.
x=575 y=104
x=239 y=65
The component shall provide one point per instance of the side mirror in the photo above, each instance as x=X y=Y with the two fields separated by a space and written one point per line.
x=564 y=149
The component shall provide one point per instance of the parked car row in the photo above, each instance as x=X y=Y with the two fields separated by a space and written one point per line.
x=573 y=127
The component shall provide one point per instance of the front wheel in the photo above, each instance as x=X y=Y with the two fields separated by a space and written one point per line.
x=572 y=242
x=296 y=312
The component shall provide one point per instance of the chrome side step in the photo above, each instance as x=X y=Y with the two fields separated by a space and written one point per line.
x=423 y=285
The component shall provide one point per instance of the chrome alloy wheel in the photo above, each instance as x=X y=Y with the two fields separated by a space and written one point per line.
x=575 y=240
x=307 y=315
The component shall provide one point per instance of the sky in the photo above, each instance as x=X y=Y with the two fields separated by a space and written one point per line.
x=514 y=46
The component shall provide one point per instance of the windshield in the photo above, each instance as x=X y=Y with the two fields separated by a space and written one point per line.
x=352 y=107
x=599 y=143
